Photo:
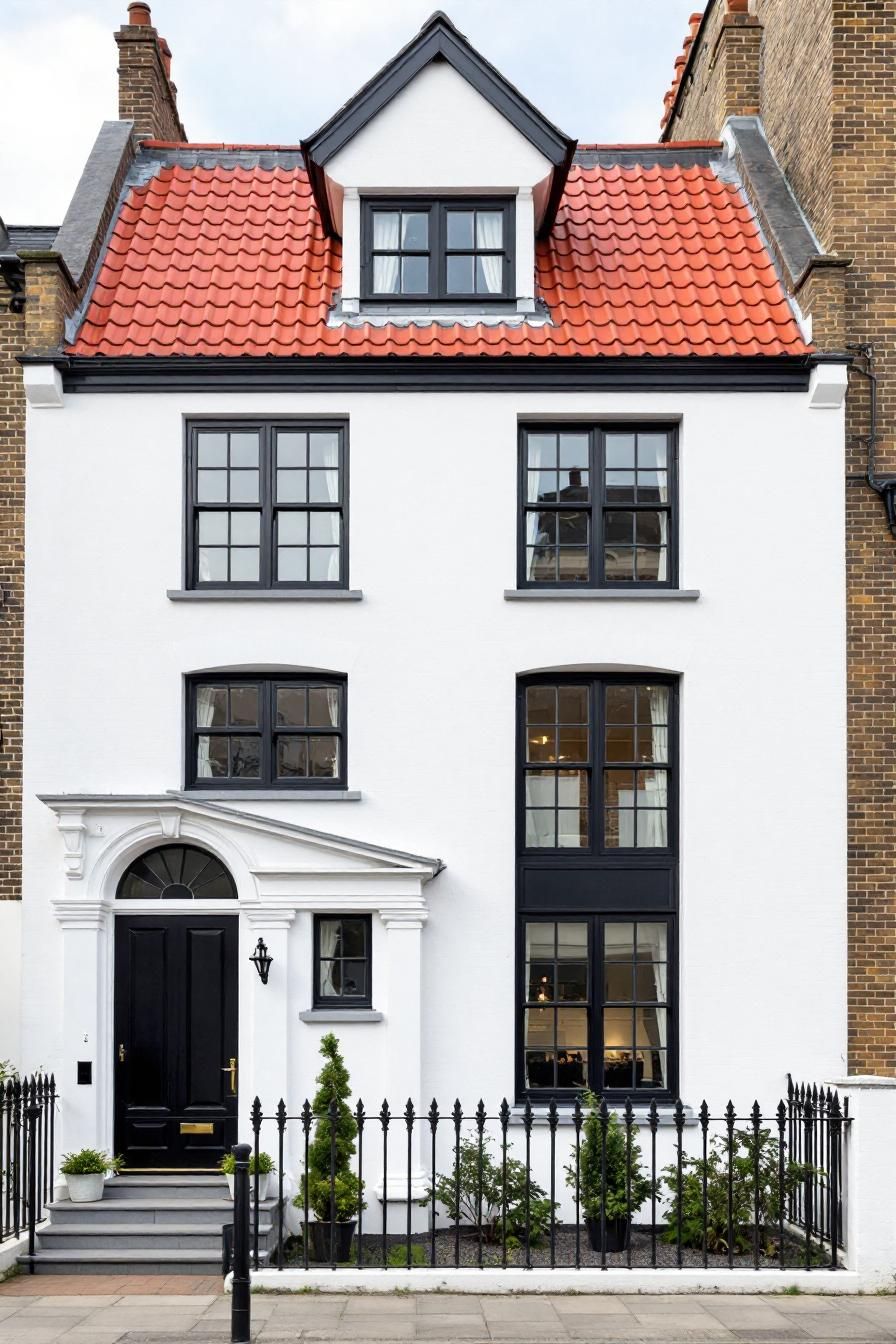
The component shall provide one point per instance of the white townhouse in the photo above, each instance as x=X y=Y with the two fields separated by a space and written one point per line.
x=435 y=581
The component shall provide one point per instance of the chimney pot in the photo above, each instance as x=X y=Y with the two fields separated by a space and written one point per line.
x=139 y=15
x=738 y=6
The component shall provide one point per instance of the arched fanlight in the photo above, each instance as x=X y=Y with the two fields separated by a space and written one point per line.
x=176 y=873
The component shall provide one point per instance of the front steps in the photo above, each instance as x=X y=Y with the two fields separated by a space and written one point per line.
x=145 y=1225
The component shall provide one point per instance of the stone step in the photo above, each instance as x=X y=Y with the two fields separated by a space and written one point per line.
x=159 y=1261
x=167 y=1187
x=148 y=1237
x=208 y=1211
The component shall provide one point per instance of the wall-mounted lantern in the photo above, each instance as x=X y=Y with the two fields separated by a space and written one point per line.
x=261 y=960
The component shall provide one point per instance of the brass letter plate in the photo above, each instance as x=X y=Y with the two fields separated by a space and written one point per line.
x=197 y=1129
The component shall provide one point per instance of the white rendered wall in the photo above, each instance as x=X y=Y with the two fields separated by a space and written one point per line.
x=432 y=654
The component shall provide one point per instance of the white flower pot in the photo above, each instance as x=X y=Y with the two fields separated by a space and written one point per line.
x=262 y=1186
x=86 y=1189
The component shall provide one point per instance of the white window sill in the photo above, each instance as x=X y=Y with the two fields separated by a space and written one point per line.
x=264 y=595
x=341 y=1015
x=271 y=795
x=601 y=595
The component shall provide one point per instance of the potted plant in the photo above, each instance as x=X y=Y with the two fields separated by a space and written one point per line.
x=333 y=1197
x=85 y=1174
x=265 y=1167
x=611 y=1187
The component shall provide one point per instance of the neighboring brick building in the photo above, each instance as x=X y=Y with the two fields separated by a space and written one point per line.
x=44 y=271
x=820 y=75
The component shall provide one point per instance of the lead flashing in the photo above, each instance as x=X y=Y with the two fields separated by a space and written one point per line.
x=80 y=227
x=782 y=218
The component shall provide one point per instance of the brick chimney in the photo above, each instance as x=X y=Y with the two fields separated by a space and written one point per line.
x=146 y=94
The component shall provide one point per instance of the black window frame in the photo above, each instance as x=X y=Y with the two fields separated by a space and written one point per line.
x=267 y=506
x=268 y=731
x=437 y=208
x=597 y=505
x=341 y=1003
x=597 y=884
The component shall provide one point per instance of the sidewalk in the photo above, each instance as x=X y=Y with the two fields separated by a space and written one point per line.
x=93 y=1317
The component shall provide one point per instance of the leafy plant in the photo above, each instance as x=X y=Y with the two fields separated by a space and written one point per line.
x=89 y=1162
x=482 y=1173
x=398 y=1256
x=752 y=1155
x=265 y=1164
x=618 y=1185
x=345 y=1187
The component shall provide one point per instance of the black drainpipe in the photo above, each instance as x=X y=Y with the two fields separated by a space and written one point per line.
x=885 y=486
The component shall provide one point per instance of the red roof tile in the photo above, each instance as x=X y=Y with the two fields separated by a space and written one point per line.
x=234 y=261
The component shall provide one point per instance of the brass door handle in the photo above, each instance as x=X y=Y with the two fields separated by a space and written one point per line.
x=231 y=1069
x=122 y=1054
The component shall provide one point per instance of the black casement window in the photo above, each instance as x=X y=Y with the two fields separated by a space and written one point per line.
x=597 y=885
x=266 y=732
x=266 y=505
x=442 y=251
x=597 y=506
x=596 y=1004
x=342 y=961
x=596 y=765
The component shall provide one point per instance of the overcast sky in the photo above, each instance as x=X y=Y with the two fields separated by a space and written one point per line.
x=271 y=71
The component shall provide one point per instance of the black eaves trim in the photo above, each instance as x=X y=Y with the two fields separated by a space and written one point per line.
x=352 y=373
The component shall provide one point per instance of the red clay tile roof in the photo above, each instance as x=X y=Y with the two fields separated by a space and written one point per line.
x=214 y=260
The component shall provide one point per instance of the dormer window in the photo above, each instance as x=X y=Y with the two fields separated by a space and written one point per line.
x=438 y=251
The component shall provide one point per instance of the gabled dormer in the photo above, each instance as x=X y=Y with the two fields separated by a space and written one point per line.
x=438 y=175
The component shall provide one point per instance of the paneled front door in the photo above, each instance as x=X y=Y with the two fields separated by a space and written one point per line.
x=176 y=983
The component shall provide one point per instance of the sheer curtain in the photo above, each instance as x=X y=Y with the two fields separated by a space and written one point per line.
x=653 y=943
x=653 y=826
x=542 y=457
x=540 y=825
x=385 y=238
x=329 y=947
x=205 y=709
x=488 y=234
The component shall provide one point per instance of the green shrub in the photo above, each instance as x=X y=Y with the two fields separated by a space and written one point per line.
x=398 y=1256
x=751 y=1153
x=265 y=1164
x=333 y=1084
x=461 y=1197
x=627 y=1184
x=89 y=1162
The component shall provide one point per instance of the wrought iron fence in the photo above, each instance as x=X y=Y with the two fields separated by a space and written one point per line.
x=27 y=1152
x=573 y=1188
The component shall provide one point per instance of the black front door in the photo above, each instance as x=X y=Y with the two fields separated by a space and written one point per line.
x=175 y=1038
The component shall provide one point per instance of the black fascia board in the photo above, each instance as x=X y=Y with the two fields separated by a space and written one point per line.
x=439 y=39
x=492 y=373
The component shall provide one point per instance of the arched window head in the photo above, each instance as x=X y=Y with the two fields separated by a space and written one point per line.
x=176 y=873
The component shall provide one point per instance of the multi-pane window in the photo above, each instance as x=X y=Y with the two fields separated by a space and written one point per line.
x=596 y=1005
x=597 y=506
x=280 y=732
x=596 y=765
x=267 y=505
x=438 y=251
x=342 y=961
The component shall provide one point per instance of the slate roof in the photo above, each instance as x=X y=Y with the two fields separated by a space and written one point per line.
x=220 y=250
x=15 y=238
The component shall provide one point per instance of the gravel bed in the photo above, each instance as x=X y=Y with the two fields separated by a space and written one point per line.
x=564 y=1253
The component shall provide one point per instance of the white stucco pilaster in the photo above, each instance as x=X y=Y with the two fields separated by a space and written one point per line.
x=264 y=1030
x=404 y=936
x=86 y=1021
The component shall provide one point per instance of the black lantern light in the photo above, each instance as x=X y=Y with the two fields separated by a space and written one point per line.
x=262 y=959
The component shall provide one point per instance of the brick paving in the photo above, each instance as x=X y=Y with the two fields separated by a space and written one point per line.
x=166 y=1311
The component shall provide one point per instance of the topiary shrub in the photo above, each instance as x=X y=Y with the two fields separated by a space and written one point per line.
x=626 y=1183
x=341 y=1198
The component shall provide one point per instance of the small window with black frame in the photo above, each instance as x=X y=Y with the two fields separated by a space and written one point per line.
x=342 y=962
x=438 y=251
x=266 y=732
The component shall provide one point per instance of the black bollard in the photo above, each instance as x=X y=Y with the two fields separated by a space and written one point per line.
x=240 y=1302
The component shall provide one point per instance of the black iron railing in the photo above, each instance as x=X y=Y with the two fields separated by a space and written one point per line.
x=27 y=1153
x=576 y=1188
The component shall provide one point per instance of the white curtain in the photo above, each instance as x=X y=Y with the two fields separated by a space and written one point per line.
x=385 y=237
x=488 y=234
x=333 y=706
x=542 y=456
x=662 y=569
x=329 y=946
x=205 y=709
x=653 y=943
x=653 y=826
x=540 y=825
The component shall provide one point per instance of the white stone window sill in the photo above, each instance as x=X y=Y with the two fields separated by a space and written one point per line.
x=341 y=1015
x=601 y=595
x=273 y=795
x=265 y=595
